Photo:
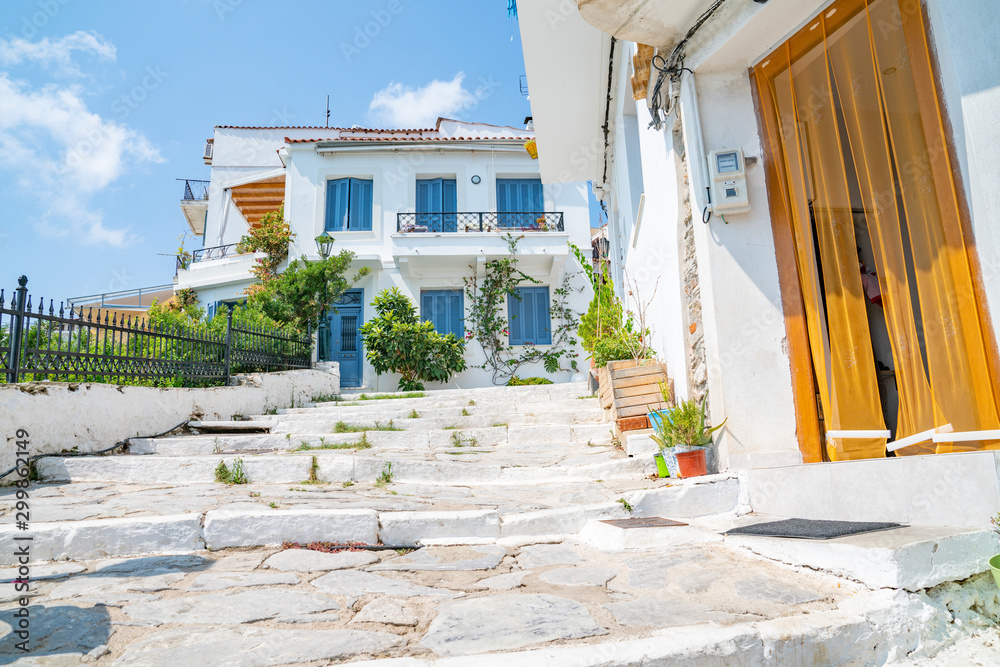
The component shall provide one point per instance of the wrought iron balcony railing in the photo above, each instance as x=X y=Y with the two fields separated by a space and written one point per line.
x=445 y=223
x=194 y=190
x=206 y=254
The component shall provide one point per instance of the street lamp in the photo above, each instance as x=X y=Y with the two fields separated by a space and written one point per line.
x=324 y=244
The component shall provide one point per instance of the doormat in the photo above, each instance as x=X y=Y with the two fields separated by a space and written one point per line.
x=649 y=522
x=812 y=529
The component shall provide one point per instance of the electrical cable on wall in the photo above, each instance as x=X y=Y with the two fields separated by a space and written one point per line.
x=670 y=70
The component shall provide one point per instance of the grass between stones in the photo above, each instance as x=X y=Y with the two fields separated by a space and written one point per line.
x=626 y=505
x=386 y=397
x=458 y=439
x=313 y=473
x=360 y=444
x=235 y=475
x=386 y=477
x=413 y=414
x=344 y=427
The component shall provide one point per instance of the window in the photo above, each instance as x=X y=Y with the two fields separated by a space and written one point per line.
x=446 y=309
x=528 y=316
x=348 y=205
x=520 y=195
x=518 y=199
x=437 y=203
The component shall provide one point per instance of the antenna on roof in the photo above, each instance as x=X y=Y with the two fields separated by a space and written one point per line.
x=328 y=111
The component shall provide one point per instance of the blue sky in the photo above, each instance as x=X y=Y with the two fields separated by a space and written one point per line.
x=104 y=103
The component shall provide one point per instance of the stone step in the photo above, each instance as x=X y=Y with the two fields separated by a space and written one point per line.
x=223 y=528
x=255 y=425
x=436 y=418
x=410 y=439
x=540 y=405
x=911 y=558
x=332 y=467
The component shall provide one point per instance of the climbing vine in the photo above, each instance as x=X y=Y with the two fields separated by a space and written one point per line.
x=486 y=319
x=271 y=237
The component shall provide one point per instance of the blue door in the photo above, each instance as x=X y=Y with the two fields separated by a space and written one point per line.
x=520 y=202
x=437 y=202
x=345 y=338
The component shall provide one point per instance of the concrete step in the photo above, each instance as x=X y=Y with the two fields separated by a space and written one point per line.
x=246 y=527
x=332 y=467
x=435 y=418
x=252 y=426
x=911 y=558
x=539 y=405
x=410 y=439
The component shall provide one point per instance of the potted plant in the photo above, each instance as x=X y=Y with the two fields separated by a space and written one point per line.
x=681 y=431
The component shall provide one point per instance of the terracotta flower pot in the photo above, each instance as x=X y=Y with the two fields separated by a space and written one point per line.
x=692 y=463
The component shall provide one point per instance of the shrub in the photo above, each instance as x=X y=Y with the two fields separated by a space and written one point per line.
x=397 y=342
x=515 y=381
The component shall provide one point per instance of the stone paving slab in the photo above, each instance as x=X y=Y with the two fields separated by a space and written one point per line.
x=530 y=596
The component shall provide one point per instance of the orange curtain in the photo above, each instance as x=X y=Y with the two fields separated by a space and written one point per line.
x=852 y=115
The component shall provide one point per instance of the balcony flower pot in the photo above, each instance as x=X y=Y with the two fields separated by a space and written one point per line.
x=995 y=568
x=692 y=463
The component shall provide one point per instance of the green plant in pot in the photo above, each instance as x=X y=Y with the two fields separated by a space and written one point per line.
x=995 y=561
x=681 y=430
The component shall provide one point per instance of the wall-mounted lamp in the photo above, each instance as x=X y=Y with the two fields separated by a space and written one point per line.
x=476 y=180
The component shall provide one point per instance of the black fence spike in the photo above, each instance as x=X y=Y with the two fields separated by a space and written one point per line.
x=28 y=307
x=61 y=312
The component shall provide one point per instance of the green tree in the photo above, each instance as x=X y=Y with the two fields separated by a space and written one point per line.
x=397 y=342
x=271 y=236
x=298 y=294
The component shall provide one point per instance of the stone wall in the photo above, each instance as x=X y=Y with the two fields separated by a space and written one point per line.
x=694 y=336
x=61 y=416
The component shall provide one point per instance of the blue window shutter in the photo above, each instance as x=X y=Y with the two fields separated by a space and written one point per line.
x=533 y=322
x=528 y=314
x=515 y=323
x=444 y=308
x=449 y=195
x=337 y=195
x=536 y=198
x=430 y=196
x=543 y=322
x=427 y=307
x=449 y=204
x=503 y=195
x=456 y=314
x=360 y=215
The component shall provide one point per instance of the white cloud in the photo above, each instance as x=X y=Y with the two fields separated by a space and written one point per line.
x=57 y=52
x=65 y=153
x=401 y=106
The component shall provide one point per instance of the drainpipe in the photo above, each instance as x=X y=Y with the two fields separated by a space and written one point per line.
x=696 y=141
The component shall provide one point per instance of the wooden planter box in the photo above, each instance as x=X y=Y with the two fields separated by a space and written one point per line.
x=629 y=391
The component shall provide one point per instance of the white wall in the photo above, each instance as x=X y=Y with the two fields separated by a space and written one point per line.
x=966 y=37
x=435 y=261
x=749 y=371
x=96 y=416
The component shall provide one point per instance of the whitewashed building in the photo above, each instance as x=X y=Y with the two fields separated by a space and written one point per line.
x=424 y=209
x=813 y=183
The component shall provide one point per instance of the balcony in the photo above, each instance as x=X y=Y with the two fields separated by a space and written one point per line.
x=465 y=223
x=215 y=266
x=443 y=245
x=194 y=204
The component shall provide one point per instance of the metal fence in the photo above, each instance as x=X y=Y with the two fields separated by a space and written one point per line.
x=185 y=261
x=487 y=221
x=195 y=190
x=43 y=343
